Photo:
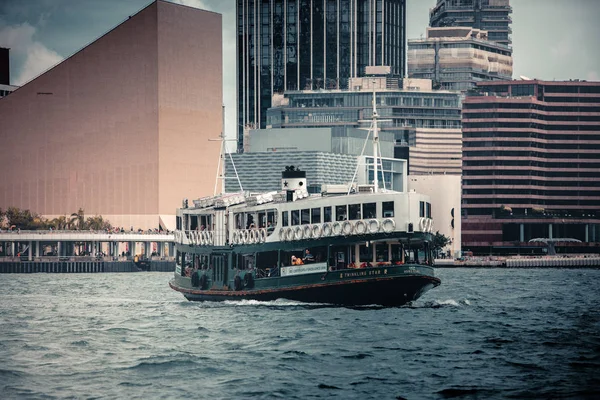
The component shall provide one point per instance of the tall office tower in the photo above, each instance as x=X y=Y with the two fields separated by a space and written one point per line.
x=457 y=58
x=490 y=15
x=311 y=44
x=531 y=166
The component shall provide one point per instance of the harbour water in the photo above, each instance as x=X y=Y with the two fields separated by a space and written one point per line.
x=484 y=333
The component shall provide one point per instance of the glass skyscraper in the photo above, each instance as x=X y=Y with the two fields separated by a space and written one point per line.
x=311 y=44
x=489 y=15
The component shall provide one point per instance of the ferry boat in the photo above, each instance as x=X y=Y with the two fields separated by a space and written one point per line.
x=359 y=246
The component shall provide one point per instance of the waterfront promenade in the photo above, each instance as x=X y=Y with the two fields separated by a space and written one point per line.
x=555 y=261
x=85 y=251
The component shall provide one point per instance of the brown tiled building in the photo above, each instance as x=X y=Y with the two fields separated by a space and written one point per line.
x=531 y=166
x=120 y=128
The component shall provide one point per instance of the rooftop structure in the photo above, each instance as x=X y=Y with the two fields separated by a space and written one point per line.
x=490 y=15
x=297 y=45
x=531 y=168
x=415 y=116
x=457 y=58
x=120 y=128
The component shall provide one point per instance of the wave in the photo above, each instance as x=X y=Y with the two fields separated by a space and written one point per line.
x=470 y=392
x=440 y=304
x=358 y=356
x=10 y=373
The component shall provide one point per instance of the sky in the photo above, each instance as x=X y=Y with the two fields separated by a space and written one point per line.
x=552 y=39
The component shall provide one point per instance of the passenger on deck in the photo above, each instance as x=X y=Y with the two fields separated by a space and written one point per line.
x=270 y=227
x=308 y=257
x=296 y=261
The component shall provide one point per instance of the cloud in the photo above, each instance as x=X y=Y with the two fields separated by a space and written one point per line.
x=32 y=56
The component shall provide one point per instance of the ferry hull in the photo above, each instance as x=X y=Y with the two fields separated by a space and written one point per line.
x=385 y=291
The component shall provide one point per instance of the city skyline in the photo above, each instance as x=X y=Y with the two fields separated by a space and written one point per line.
x=41 y=34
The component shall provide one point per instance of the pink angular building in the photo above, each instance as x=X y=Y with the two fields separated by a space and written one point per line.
x=120 y=128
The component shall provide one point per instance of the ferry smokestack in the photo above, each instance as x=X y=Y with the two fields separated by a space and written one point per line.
x=292 y=180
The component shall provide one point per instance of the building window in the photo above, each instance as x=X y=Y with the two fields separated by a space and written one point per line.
x=428 y=210
x=421 y=209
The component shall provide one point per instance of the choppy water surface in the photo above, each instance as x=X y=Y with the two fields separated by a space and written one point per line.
x=482 y=334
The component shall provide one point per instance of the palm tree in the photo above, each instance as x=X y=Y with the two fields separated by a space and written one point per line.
x=59 y=223
x=77 y=219
x=97 y=223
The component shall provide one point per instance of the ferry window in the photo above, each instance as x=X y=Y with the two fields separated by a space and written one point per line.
x=354 y=211
x=271 y=218
x=397 y=253
x=250 y=221
x=369 y=210
x=194 y=223
x=366 y=253
x=326 y=214
x=421 y=209
x=315 y=215
x=305 y=214
x=428 y=210
x=382 y=254
x=178 y=223
x=262 y=219
x=284 y=218
x=295 y=217
x=341 y=213
x=238 y=221
x=387 y=208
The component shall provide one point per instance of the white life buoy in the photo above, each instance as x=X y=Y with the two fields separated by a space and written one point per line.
x=290 y=233
x=262 y=233
x=430 y=225
x=373 y=226
x=244 y=236
x=360 y=227
x=195 y=238
x=251 y=236
x=282 y=235
x=298 y=233
x=388 y=225
x=347 y=228
x=336 y=228
x=234 y=237
x=307 y=232
x=211 y=236
x=326 y=229
x=422 y=224
x=316 y=231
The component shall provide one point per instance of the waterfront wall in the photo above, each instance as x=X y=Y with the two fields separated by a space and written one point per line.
x=75 y=267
